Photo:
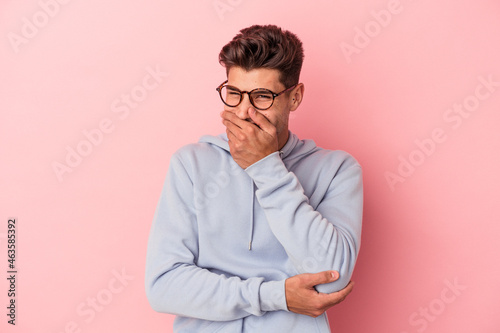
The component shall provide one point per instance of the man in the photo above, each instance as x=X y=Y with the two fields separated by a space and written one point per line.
x=256 y=230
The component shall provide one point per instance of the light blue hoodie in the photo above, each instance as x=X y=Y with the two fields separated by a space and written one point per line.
x=224 y=239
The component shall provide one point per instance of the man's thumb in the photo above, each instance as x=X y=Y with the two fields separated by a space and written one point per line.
x=259 y=119
x=325 y=277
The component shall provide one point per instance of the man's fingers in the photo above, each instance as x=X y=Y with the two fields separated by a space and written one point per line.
x=257 y=120
x=230 y=126
x=340 y=295
x=347 y=290
x=234 y=125
x=303 y=299
x=261 y=121
x=240 y=128
x=229 y=119
x=248 y=143
x=323 y=277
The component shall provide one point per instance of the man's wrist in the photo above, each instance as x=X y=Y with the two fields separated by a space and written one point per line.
x=266 y=169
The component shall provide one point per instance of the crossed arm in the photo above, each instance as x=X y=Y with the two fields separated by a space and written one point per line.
x=250 y=142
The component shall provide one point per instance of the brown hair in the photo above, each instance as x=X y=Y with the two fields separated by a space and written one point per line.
x=265 y=47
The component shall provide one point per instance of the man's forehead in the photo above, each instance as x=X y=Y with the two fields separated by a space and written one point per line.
x=255 y=78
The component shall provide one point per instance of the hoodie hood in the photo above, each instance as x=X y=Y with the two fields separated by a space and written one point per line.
x=219 y=140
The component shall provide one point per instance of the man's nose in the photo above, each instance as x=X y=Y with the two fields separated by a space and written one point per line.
x=242 y=109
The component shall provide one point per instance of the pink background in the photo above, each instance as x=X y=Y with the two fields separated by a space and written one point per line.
x=383 y=101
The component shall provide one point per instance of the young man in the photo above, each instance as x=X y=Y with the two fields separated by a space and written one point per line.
x=256 y=230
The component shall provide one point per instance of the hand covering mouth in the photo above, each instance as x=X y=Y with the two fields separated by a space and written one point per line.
x=252 y=122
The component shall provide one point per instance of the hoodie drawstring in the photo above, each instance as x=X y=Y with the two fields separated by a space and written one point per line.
x=251 y=216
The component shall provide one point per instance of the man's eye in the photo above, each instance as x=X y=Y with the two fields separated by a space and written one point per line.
x=234 y=93
x=263 y=96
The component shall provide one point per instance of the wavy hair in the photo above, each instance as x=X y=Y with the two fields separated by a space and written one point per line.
x=265 y=46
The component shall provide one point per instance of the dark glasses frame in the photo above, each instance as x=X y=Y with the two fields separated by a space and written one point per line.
x=249 y=93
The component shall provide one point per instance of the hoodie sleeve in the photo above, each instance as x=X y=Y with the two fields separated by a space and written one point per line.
x=324 y=237
x=176 y=285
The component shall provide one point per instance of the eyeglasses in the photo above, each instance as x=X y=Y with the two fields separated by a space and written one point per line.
x=260 y=98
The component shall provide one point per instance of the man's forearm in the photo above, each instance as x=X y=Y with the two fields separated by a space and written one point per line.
x=195 y=292
x=325 y=238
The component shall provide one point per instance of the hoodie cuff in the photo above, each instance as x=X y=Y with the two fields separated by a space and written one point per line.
x=264 y=171
x=272 y=296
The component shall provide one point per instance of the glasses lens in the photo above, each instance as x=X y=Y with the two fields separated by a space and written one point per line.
x=230 y=95
x=262 y=99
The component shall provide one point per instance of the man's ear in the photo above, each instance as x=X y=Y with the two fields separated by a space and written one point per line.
x=296 y=96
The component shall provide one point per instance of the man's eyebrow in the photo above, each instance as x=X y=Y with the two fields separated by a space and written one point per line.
x=232 y=87
x=258 y=89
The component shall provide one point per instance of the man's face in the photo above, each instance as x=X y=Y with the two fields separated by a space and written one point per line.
x=278 y=113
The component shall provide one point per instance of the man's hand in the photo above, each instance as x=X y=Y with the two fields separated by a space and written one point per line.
x=249 y=142
x=302 y=298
